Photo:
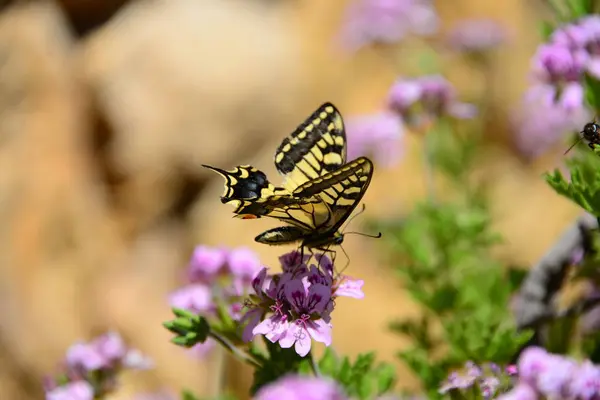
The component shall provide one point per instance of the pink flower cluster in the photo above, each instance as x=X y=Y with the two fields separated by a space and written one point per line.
x=554 y=104
x=552 y=376
x=293 y=307
x=414 y=102
x=216 y=276
x=387 y=21
x=486 y=380
x=90 y=369
x=297 y=387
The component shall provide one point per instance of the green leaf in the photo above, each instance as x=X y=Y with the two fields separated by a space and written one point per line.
x=546 y=29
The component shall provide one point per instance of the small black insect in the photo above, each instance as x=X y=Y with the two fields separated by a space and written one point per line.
x=591 y=133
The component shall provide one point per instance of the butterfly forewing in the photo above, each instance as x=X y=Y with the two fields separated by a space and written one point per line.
x=315 y=148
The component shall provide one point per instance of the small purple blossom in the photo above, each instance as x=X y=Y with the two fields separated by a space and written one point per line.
x=539 y=123
x=78 y=390
x=558 y=69
x=477 y=35
x=217 y=277
x=420 y=100
x=387 y=21
x=377 y=135
x=488 y=380
x=546 y=375
x=295 y=387
x=91 y=368
x=585 y=384
x=521 y=392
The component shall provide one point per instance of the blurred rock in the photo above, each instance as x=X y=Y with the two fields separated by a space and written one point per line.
x=55 y=230
x=187 y=82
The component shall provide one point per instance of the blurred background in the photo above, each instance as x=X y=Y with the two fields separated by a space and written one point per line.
x=107 y=110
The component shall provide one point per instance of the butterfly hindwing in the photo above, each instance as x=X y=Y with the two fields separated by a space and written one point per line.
x=341 y=189
x=315 y=148
x=334 y=197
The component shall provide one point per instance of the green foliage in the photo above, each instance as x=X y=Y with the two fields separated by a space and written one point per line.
x=189 y=328
x=275 y=364
x=443 y=257
x=362 y=379
x=584 y=186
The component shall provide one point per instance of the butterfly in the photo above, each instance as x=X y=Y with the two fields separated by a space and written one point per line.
x=319 y=192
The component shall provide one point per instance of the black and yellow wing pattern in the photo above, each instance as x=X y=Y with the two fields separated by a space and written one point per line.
x=315 y=148
x=319 y=191
x=317 y=223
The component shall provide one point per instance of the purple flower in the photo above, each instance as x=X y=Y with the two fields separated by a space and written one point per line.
x=94 y=366
x=194 y=298
x=477 y=35
x=540 y=122
x=295 y=387
x=585 y=384
x=84 y=356
x=386 y=21
x=308 y=304
x=294 y=307
x=160 y=395
x=554 y=377
x=420 y=100
x=532 y=362
x=243 y=263
x=291 y=262
x=520 y=392
x=78 y=390
x=206 y=263
x=201 y=350
x=378 y=135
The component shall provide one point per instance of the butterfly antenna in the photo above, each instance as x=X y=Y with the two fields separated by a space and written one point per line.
x=362 y=210
x=573 y=145
x=365 y=234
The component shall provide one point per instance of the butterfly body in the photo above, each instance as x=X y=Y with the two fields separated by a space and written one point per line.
x=319 y=192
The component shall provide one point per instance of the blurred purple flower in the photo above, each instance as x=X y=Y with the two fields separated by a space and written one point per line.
x=160 y=395
x=217 y=277
x=539 y=123
x=487 y=380
x=386 y=21
x=377 y=135
x=78 y=390
x=243 y=263
x=201 y=350
x=295 y=387
x=194 y=298
x=520 y=392
x=206 y=263
x=420 y=100
x=94 y=366
x=554 y=378
x=585 y=384
x=558 y=69
x=477 y=35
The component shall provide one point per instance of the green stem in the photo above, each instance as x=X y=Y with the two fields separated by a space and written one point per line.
x=247 y=358
x=428 y=168
x=313 y=365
